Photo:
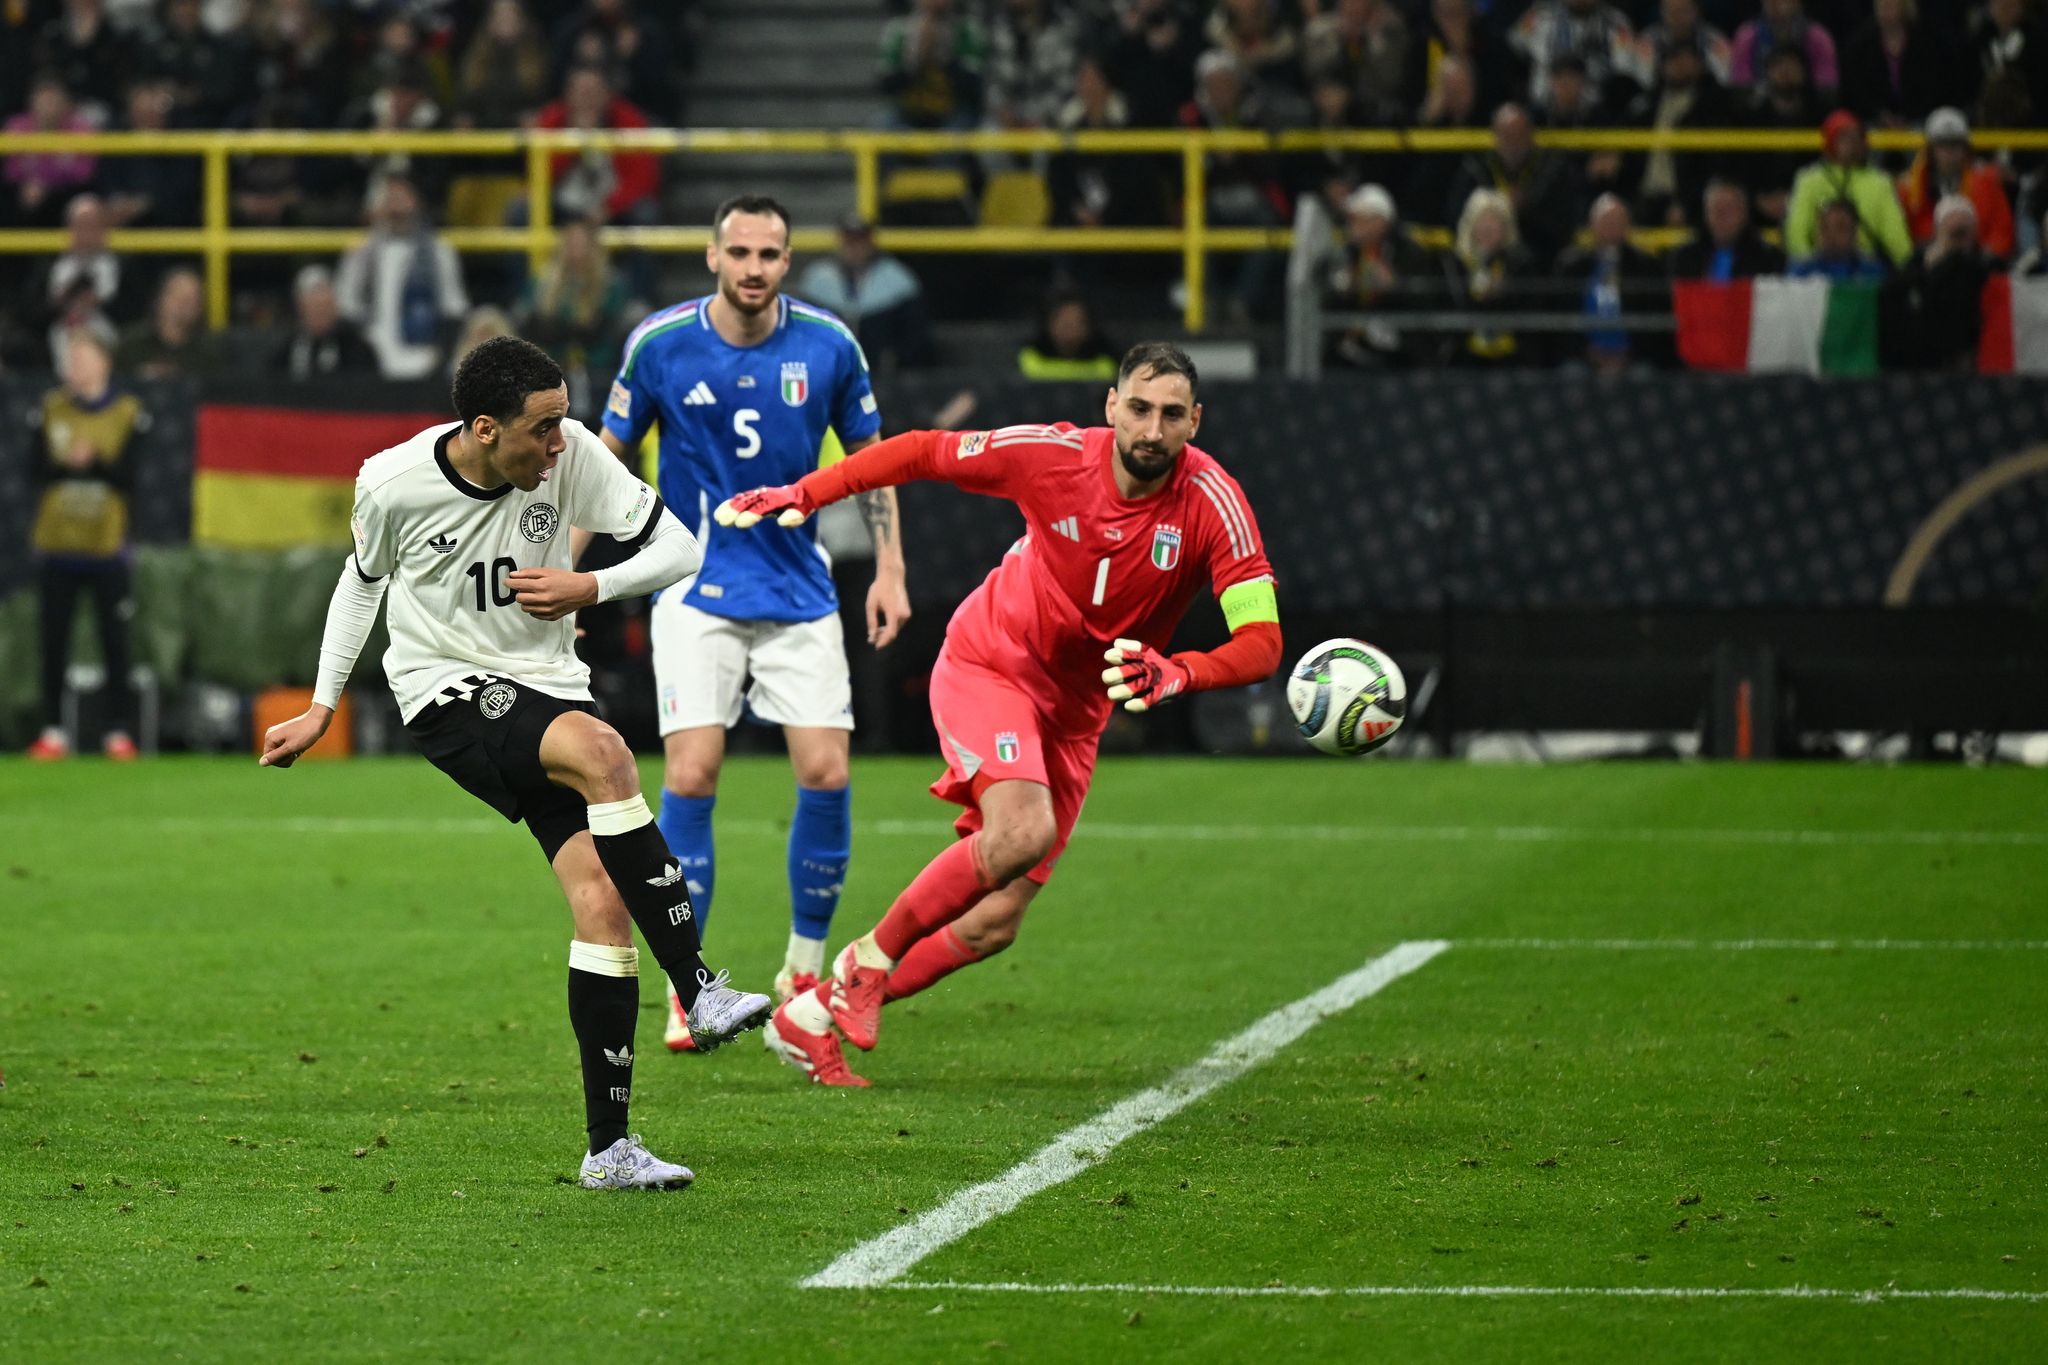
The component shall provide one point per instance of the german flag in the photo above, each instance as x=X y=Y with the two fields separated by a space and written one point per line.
x=269 y=478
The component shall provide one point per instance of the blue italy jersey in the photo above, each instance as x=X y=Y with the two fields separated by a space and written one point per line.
x=740 y=417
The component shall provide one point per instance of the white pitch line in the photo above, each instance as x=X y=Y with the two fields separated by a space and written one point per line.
x=1747 y=945
x=1151 y=833
x=1476 y=1291
x=882 y=1259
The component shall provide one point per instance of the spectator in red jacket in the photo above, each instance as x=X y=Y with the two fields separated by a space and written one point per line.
x=1946 y=167
x=610 y=187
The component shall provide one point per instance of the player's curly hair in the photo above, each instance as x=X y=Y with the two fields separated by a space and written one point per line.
x=1152 y=359
x=494 y=379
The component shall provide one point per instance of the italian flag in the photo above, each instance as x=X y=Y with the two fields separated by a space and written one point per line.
x=1775 y=323
x=2015 y=335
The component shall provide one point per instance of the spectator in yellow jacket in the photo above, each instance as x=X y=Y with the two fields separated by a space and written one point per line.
x=1843 y=173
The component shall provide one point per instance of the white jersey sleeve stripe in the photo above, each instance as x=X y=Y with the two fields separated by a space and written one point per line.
x=1234 y=496
x=1226 y=507
x=1234 y=505
x=1229 y=526
x=1053 y=439
x=1003 y=436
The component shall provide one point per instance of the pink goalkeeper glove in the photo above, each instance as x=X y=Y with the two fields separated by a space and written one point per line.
x=1143 y=677
x=789 y=505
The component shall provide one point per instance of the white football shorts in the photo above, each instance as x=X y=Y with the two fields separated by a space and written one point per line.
x=706 y=666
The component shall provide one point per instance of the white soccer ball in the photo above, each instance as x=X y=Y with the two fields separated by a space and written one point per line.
x=1347 y=697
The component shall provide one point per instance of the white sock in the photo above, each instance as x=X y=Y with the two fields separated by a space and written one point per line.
x=603 y=959
x=868 y=954
x=619 y=817
x=805 y=955
x=808 y=1012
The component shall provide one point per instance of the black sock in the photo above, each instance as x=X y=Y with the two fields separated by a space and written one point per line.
x=604 y=1005
x=650 y=882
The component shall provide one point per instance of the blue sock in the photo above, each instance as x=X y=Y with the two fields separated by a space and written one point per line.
x=685 y=822
x=820 y=844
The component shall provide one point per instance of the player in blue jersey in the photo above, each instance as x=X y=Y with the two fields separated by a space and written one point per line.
x=745 y=385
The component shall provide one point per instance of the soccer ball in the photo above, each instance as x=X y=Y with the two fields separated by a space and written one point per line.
x=1347 y=697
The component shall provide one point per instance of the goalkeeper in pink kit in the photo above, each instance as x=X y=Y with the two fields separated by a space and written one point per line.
x=1124 y=523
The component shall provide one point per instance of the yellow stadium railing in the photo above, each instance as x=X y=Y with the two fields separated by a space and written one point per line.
x=217 y=240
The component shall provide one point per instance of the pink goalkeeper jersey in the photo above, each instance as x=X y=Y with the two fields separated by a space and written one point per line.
x=1092 y=566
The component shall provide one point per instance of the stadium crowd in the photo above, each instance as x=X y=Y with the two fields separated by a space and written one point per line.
x=1493 y=229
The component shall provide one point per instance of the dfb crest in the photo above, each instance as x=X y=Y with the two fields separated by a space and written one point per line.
x=537 y=523
x=494 y=701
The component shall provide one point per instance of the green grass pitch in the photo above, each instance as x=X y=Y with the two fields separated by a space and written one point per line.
x=289 y=1076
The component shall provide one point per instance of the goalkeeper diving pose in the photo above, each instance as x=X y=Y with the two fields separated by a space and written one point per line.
x=1123 y=524
x=467 y=527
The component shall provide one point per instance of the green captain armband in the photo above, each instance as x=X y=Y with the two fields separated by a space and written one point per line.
x=1245 y=604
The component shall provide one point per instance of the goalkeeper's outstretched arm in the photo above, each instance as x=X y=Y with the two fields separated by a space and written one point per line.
x=907 y=458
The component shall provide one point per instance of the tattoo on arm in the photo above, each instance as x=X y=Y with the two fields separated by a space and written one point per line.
x=878 y=509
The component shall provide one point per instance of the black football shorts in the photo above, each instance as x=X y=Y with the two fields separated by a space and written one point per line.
x=484 y=731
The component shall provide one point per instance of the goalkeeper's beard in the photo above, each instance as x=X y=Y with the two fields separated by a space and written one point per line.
x=1146 y=463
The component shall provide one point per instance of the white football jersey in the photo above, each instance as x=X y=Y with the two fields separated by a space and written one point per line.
x=449 y=545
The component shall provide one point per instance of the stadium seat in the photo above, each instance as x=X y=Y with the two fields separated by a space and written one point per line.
x=927 y=196
x=924 y=185
x=1016 y=199
x=481 y=201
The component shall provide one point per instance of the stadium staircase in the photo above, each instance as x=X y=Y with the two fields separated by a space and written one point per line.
x=781 y=64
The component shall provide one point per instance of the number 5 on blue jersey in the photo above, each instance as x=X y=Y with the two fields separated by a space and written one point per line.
x=737 y=417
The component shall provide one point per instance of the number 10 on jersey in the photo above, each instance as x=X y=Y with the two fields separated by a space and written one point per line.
x=499 y=595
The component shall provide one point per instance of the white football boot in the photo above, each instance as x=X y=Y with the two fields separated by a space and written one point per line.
x=722 y=1014
x=626 y=1165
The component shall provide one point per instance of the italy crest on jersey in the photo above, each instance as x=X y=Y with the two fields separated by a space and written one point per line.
x=1165 y=546
x=1006 y=746
x=796 y=382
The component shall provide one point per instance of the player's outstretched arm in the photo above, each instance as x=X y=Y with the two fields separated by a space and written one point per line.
x=900 y=459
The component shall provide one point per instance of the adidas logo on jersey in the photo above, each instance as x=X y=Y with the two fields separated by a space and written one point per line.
x=699 y=395
x=1069 y=527
x=441 y=544
x=671 y=873
x=623 y=1057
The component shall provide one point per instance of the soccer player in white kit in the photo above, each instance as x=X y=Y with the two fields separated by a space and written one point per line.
x=466 y=525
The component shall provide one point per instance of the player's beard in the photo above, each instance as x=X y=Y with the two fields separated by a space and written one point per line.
x=1146 y=463
x=739 y=305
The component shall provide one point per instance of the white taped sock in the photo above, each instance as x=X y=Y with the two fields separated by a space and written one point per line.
x=619 y=817
x=602 y=959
